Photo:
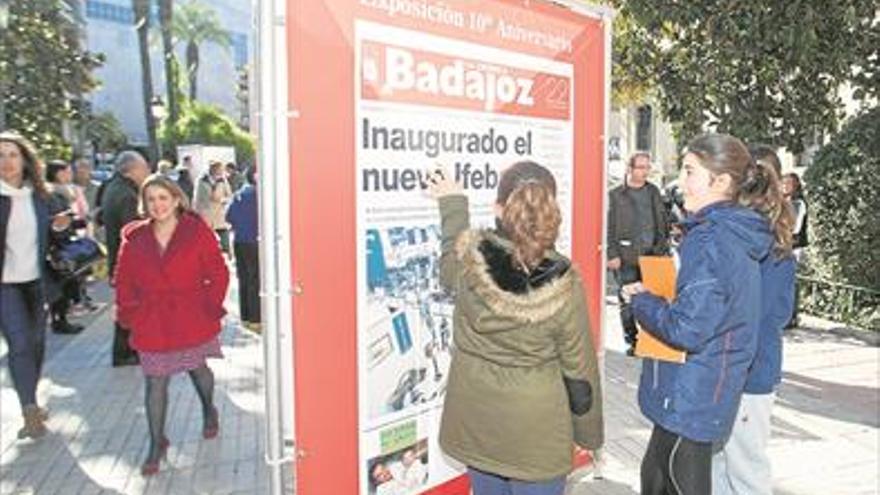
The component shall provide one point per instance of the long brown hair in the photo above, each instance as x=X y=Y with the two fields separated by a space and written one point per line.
x=531 y=216
x=763 y=192
x=33 y=166
x=753 y=184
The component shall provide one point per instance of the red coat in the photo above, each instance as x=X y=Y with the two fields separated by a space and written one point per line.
x=174 y=300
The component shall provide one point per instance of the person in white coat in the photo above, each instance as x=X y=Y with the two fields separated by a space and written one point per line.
x=212 y=195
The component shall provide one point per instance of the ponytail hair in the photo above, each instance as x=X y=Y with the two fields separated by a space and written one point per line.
x=531 y=216
x=754 y=180
x=760 y=190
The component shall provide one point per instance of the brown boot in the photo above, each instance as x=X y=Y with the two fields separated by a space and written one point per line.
x=33 y=423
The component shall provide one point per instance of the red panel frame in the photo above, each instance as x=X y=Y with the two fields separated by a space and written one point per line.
x=321 y=75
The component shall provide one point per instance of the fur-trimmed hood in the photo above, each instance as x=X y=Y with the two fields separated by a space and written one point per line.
x=520 y=338
x=515 y=295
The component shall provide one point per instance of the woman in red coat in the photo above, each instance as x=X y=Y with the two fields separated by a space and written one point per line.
x=171 y=280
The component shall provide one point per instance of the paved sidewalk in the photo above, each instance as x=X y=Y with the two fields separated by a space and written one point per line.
x=98 y=430
x=826 y=435
x=826 y=421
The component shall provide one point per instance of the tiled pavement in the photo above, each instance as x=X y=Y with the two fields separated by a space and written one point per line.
x=98 y=432
x=826 y=421
x=826 y=427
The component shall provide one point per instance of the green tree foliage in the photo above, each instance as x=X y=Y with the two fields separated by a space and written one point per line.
x=844 y=196
x=195 y=24
x=632 y=77
x=763 y=71
x=867 y=75
x=105 y=133
x=201 y=123
x=42 y=69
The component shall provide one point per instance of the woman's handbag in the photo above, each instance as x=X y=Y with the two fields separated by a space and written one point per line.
x=72 y=257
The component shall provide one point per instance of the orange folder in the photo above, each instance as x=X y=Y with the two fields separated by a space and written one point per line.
x=658 y=277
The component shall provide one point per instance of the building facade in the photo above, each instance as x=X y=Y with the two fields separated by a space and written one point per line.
x=641 y=128
x=110 y=30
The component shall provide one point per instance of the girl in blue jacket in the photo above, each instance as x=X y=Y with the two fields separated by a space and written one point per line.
x=714 y=317
x=741 y=466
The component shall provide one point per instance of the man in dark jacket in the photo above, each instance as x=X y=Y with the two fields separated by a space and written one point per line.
x=120 y=206
x=637 y=225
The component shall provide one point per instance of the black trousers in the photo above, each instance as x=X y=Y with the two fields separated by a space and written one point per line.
x=247 y=268
x=793 y=321
x=674 y=465
x=223 y=238
x=71 y=290
x=627 y=274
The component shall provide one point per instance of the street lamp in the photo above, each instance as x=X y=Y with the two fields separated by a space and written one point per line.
x=157 y=110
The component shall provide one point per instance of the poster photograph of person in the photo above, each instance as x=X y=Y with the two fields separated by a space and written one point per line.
x=400 y=472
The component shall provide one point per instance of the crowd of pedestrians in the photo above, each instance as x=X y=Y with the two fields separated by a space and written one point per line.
x=524 y=350
x=521 y=322
x=164 y=259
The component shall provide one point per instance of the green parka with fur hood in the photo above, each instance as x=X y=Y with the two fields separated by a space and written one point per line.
x=524 y=382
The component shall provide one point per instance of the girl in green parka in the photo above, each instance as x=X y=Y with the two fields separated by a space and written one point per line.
x=523 y=385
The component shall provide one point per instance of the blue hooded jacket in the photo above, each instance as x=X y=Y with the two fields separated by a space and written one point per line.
x=243 y=215
x=777 y=303
x=715 y=318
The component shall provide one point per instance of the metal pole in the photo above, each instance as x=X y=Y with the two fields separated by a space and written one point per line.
x=158 y=151
x=273 y=167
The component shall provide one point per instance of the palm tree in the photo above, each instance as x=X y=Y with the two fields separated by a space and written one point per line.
x=166 y=9
x=196 y=24
x=142 y=25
